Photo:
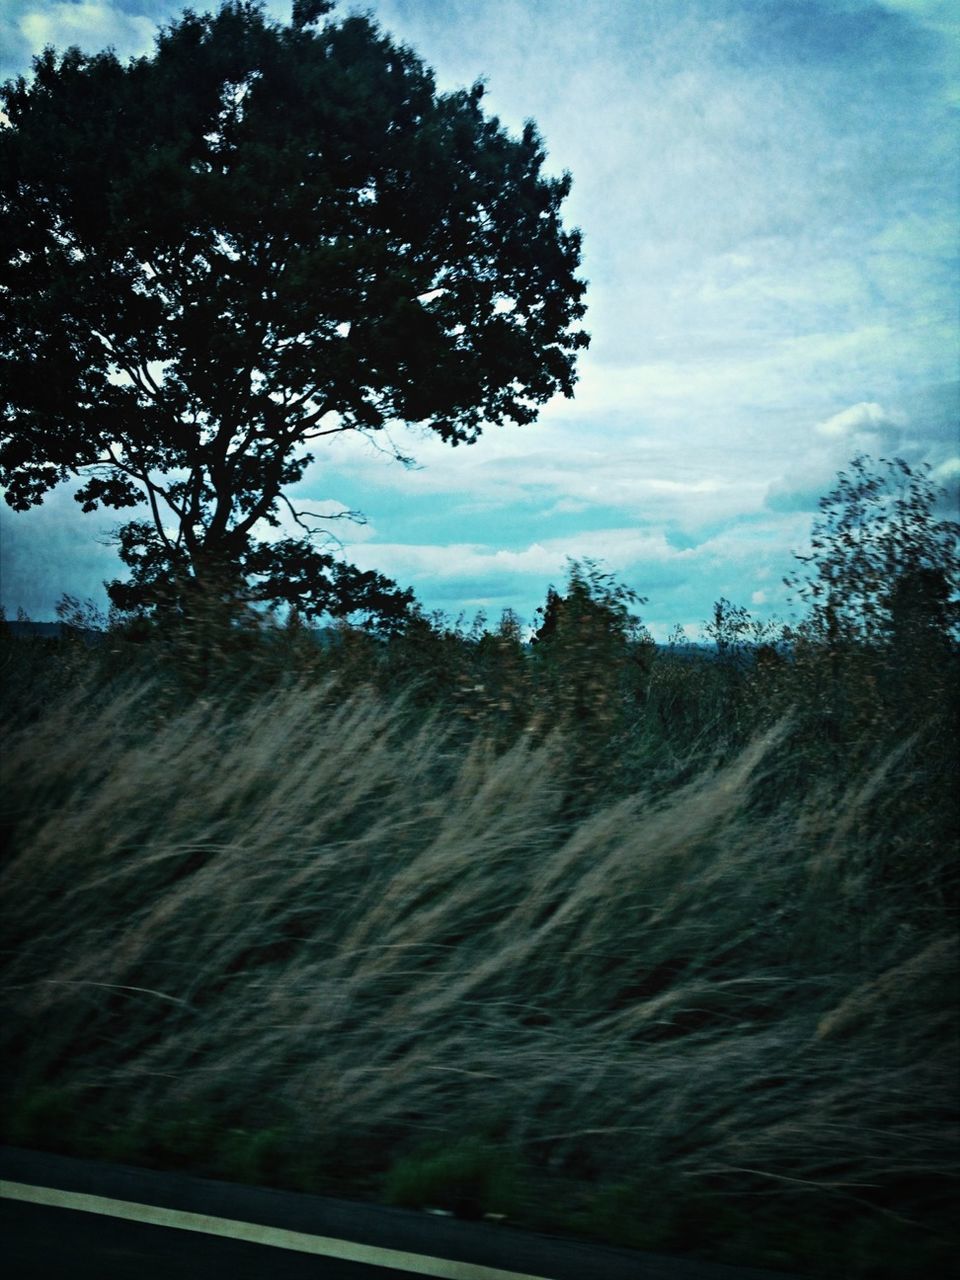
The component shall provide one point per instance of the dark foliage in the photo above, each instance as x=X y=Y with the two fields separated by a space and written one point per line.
x=259 y=238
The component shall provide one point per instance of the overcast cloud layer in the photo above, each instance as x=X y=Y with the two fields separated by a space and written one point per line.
x=767 y=191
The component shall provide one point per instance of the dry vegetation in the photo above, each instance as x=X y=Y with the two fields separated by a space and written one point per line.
x=318 y=940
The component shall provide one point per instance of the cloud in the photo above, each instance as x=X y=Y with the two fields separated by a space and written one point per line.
x=947 y=477
x=948 y=471
x=865 y=418
x=89 y=23
x=55 y=549
x=863 y=428
x=673 y=578
x=619 y=548
x=29 y=25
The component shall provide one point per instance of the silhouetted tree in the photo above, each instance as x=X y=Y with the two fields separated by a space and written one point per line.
x=881 y=561
x=882 y=588
x=259 y=238
x=591 y=657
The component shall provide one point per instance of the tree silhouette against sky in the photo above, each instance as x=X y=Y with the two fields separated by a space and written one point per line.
x=263 y=236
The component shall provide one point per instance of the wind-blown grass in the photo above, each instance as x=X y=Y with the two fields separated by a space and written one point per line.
x=304 y=943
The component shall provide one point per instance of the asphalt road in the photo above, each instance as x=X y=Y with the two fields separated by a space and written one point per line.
x=81 y=1218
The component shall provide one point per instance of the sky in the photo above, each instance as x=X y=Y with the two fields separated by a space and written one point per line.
x=768 y=195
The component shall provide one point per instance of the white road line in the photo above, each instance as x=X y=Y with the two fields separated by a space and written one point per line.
x=256 y=1233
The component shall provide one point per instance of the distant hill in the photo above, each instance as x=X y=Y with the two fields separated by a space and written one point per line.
x=23 y=630
x=324 y=636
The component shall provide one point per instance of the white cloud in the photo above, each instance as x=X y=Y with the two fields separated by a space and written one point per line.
x=631 y=553
x=547 y=558
x=91 y=24
x=696 y=473
x=863 y=428
x=865 y=417
x=454 y=561
x=947 y=471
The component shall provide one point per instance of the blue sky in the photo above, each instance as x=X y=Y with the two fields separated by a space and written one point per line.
x=768 y=195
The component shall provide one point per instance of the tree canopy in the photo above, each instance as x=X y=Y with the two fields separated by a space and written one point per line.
x=256 y=239
x=883 y=566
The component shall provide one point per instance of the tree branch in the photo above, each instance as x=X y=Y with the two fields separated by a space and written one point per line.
x=300 y=518
x=135 y=373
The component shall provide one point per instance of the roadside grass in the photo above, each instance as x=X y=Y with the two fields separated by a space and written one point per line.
x=311 y=940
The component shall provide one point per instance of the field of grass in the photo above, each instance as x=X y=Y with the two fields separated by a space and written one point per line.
x=313 y=939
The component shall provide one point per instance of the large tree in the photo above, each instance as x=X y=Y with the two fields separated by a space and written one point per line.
x=259 y=238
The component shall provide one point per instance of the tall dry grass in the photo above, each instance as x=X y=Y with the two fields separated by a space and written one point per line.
x=305 y=920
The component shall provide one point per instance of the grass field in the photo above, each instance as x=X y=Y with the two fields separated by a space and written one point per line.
x=317 y=941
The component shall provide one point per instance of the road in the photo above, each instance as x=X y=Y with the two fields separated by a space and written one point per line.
x=80 y=1218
